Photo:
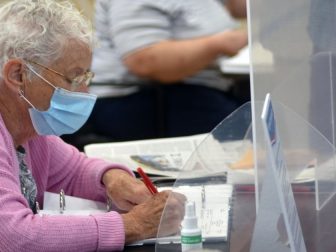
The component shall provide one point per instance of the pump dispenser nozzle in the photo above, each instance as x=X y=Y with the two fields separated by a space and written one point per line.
x=191 y=234
x=190 y=219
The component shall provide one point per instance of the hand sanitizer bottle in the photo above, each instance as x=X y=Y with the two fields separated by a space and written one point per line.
x=191 y=234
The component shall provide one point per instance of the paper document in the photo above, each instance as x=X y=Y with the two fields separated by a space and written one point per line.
x=213 y=204
x=240 y=63
x=164 y=156
x=169 y=156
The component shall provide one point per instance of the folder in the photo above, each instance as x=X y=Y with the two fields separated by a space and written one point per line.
x=68 y=205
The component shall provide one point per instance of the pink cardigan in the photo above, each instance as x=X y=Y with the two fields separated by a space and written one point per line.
x=55 y=165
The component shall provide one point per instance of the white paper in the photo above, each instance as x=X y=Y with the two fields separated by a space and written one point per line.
x=240 y=63
x=212 y=211
x=165 y=156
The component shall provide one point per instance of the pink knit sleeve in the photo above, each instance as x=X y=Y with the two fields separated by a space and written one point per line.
x=22 y=231
x=77 y=174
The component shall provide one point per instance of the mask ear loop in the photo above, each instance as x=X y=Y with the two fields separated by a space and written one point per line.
x=21 y=94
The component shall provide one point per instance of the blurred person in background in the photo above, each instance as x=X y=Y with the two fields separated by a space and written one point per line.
x=156 y=66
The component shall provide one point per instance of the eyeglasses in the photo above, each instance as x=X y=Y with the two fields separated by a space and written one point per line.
x=83 y=79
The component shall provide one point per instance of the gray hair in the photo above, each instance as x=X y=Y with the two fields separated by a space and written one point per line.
x=39 y=29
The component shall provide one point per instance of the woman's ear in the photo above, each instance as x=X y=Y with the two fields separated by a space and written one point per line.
x=12 y=74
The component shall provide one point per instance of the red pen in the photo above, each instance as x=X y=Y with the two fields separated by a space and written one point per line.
x=149 y=184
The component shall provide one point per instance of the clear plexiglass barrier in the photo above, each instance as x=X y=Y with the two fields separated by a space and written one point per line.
x=207 y=180
x=219 y=181
x=300 y=36
x=309 y=160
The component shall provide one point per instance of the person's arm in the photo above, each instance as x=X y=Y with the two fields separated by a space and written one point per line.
x=142 y=35
x=92 y=178
x=21 y=230
x=170 y=61
x=127 y=193
x=237 y=8
x=75 y=173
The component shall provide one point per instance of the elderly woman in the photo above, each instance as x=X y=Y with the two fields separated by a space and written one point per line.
x=44 y=59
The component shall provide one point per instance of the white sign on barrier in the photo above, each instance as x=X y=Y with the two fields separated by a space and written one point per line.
x=282 y=184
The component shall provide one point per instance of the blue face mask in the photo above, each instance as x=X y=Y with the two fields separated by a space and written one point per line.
x=67 y=113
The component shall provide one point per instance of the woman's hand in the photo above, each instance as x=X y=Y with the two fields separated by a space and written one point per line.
x=143 y=220
x=124 y=190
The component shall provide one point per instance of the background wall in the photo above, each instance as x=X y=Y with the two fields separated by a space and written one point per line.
x=86 y=6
